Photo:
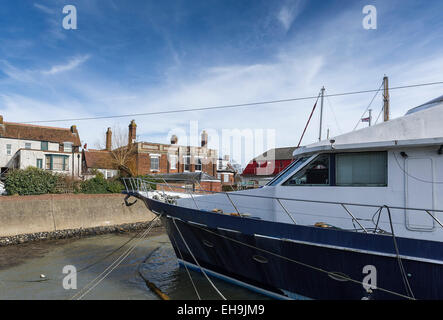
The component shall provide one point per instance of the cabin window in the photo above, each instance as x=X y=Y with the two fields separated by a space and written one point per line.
x=366 y=169
x=284 y=175
x=316 y=173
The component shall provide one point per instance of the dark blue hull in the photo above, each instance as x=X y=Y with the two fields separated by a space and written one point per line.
x=290 y=260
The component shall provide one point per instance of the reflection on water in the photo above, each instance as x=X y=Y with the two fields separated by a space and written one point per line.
x=21 y=267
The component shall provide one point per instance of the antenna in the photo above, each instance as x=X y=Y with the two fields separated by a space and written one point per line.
x=386 y=98
x=321 y=111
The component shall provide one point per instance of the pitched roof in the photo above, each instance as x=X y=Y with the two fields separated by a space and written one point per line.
x=276 y=154
x=40 y=133
x=99 y=159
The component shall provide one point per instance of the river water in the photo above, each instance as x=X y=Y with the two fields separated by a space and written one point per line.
x=35 y=270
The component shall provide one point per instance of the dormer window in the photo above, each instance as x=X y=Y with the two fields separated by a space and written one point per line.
x=67 y=146
x=44 y=146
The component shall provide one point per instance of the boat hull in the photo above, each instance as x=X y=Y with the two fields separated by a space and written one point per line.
x=292 y=261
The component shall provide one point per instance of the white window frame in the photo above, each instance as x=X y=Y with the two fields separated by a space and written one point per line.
x=8 y=149
x=186 y=163
x=28 y=144
x=173 y=162
x=155 y=156
x=67 y=146
x=195 y=163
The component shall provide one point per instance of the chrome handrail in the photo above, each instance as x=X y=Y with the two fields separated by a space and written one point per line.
x=144 y=181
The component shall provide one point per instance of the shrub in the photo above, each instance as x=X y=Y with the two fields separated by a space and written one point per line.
x=99 y=184
x=31 y=181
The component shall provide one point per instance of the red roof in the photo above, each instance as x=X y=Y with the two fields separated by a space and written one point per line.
x=99 y=159
x=39 y=133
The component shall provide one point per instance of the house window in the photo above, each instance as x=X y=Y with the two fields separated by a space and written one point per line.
x=67 y=146
x=316 y=173
x=57 y=162
x=366 y=169
x=173 y=162
x=187 y=163
x=27 y=145
x=44 y=146
x=8 y=149
x=198 y=164
x=226 y=178
x=155 y=163
x=40 y=163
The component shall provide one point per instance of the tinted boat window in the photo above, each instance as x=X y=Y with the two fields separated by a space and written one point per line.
x=361 y=169
x=314 y=174
x=284 y=174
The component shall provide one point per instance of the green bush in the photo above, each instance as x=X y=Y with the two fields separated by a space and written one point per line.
x=99 y=184
x=31 y=181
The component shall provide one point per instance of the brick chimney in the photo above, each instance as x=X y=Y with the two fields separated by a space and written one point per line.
x=204 y=142
x=74 y=129
x=132 y=132
x=109 y=140
x=2 y=126
x=174 y=139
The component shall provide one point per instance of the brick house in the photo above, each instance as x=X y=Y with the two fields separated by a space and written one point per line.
x=49 y=148
x=225 y=171
x=155 y=158
x=148 y=158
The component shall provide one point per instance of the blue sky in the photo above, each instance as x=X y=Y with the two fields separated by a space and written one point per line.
x=142 y=56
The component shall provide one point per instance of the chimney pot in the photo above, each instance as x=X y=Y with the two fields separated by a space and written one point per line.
x=74 y=129
x=204 y=139
x=132 y=132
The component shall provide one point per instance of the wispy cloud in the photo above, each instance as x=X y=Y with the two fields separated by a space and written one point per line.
x=289 y=12
x=71 y=64
x=43 y=8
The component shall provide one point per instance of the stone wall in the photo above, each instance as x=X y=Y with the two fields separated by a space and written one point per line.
x=50 y=213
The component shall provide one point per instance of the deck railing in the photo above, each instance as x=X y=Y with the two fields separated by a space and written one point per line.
x=137 y=185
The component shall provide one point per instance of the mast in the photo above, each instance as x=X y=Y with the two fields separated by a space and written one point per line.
x=370 y=117
x=386 y=99
x=321 y=112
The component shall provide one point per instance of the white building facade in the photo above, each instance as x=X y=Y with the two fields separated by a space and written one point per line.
x=47 y=148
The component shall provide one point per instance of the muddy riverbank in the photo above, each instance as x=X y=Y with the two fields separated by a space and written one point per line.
x=22 y=265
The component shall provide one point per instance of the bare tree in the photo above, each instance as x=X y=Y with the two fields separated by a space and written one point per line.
x=123 y=153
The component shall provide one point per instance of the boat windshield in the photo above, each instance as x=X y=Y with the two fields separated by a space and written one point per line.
x=289 y=170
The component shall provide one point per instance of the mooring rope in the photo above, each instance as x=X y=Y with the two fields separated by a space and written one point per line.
x=186 y=267
x=193 y=257
x=97 y=280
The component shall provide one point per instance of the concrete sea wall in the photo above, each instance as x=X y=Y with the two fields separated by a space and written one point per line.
x=49 y=215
